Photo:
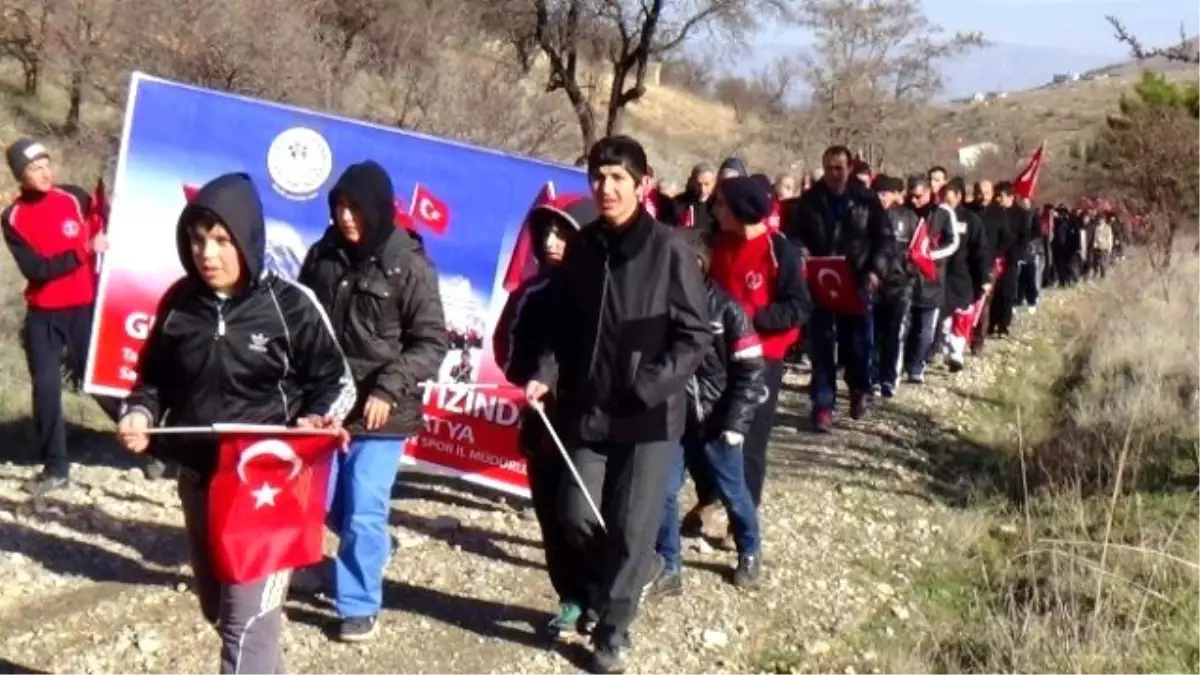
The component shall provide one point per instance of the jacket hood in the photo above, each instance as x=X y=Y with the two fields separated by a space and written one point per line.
x=571 y=211
x=232 y=200
x=367 y=186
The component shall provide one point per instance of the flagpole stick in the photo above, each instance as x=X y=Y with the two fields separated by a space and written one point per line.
x=541 y=411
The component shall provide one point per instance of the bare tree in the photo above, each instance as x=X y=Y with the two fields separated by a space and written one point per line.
x=623 y=36
x=1185 y=51
x=23 y=28
x=80 y=35
x=875 y=62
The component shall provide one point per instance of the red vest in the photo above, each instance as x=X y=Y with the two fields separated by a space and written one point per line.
x=748 y=270
x=53 y=225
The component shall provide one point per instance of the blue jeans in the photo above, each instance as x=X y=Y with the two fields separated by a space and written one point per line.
x=922 y=327
x=728 y=471
x=360 y=498
x=831 y=335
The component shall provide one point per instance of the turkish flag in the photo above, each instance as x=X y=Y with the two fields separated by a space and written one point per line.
x=688 y=219
x=266 y=502
x=98 y=214
x=832 y=285
x=1026 y=184
x=522 y=264
x=189 y=192
x=430 y=211
x=650 y=202
x=918 y=251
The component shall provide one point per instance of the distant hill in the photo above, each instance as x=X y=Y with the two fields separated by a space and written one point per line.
x=1158 y=63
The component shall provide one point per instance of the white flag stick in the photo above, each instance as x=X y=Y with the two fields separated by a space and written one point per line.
x=541 y=411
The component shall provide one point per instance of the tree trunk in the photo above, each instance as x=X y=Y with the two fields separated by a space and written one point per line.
x=75 y=101
x=584 y=113
x=32 y=71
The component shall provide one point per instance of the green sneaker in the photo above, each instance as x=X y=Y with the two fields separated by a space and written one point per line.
x=568 y=615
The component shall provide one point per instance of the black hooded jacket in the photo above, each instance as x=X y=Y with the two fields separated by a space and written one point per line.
x=525 y=322
x=262 y=356
x=382 y=297
x=728 y=386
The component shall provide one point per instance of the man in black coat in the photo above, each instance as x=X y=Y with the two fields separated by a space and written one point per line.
x=839 y=217
x=629 y=328
x=382 y=298
x=968 y=274
x=1009 y=245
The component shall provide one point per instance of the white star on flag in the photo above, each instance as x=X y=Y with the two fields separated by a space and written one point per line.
x=265 y=495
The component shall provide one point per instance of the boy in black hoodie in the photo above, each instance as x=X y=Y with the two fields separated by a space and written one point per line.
x=382 y=297
x=521 y=326
x=224 y=335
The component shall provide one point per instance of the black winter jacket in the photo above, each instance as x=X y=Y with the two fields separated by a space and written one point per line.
x=630 y=326
x=382 y=297
x=943 y=243
x=901 y=277
x=1002 y=233
x=264 y=356
x=728 y=386
x=971 y=265
x=854 y=226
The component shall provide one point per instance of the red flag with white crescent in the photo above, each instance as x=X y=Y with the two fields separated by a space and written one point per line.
x=522 y=264
x=919 y=251
x=832 y=286
x=266 y=503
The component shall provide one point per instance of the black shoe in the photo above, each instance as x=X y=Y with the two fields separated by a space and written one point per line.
x=358 y=628
x=667 y=584
x=887 y=391
x=43 y=484
x=747 y=572
x=955 y=366
x=860 y=404
x=586 y=624
x=154 y=469
x=610 y=659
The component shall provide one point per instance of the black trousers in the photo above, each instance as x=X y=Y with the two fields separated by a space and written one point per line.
x=565 y=564
x=758 y=437
x=45 y=335
x=891 y=318
x=629 y=484
x=1001 y=312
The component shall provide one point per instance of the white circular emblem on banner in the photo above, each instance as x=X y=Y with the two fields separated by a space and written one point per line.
x=70 y=229
x=299 y=162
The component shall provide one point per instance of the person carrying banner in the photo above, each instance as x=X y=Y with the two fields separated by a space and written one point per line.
x=47 y=231
x=761 y=271
x=723 y=398
x=382 y=296
x=232 y=343
x=519 y=329
x=840 y=217
x=629 y=327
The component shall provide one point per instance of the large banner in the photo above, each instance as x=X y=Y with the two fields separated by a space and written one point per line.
x=467 y=203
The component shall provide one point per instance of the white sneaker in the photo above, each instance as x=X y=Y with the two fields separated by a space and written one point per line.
x=1033 y=309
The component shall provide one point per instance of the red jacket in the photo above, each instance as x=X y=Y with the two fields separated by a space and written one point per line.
x=48 y=235
x=763 y=275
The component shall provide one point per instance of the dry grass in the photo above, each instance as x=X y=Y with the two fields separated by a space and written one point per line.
x=1095 y=567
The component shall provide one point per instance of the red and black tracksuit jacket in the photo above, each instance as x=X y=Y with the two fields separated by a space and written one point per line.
x=47 y=233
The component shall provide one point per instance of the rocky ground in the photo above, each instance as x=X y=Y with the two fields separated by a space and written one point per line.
x=96 y=578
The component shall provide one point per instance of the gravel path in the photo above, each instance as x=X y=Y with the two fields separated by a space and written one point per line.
x=96 y=579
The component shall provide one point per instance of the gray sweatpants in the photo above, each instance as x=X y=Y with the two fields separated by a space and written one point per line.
x=248 y=617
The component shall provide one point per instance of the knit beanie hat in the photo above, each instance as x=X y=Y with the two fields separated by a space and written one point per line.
x=23 y=153
x=748 y=197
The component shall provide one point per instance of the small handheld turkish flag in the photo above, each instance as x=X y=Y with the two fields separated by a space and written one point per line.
x=1026 y=184
x=266 y=503
x=774 y=220
x=832 y=285
x=918 y=251
x=429 y=210
x=98 y=214
x=688 y=219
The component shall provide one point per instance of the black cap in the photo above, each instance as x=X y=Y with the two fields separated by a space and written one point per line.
x=23 y=153
x=748 y=197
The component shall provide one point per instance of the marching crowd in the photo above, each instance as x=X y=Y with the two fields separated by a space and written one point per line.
x=653 y=338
